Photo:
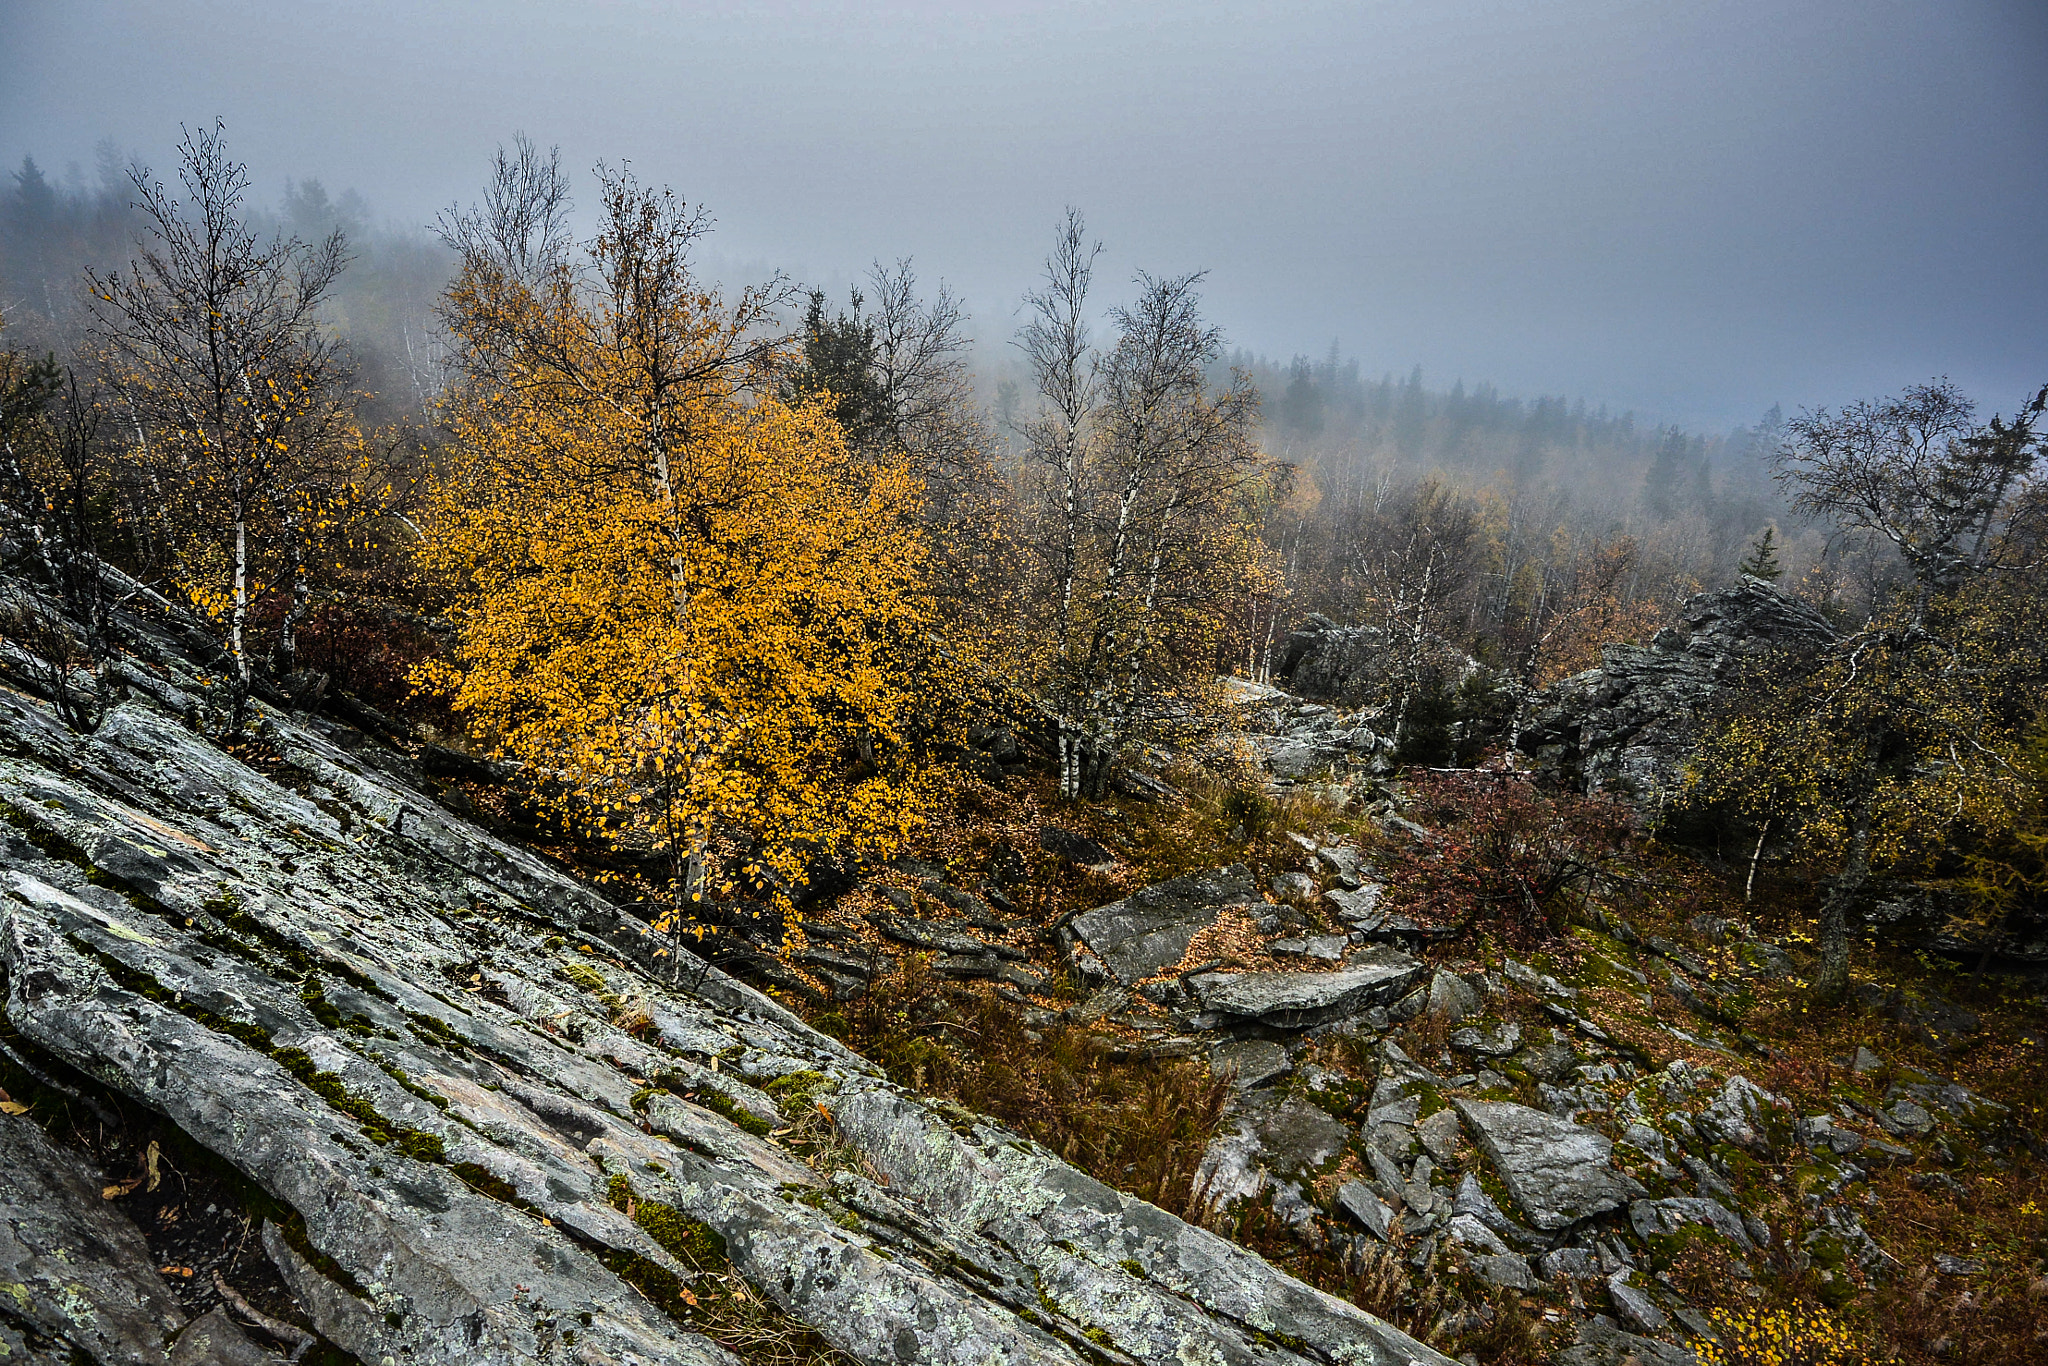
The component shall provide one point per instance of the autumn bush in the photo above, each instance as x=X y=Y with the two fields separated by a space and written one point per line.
x=683 y=597
x=1502 y=858
x=1805 y=1336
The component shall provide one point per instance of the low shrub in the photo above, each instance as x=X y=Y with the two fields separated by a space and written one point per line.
x=1505 y=858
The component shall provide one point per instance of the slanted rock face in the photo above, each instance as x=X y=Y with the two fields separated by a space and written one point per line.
x=409 y=1035
x=1629 y=726
x=1149 y=930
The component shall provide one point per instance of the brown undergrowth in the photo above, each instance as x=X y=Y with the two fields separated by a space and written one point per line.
x=1140 y=1125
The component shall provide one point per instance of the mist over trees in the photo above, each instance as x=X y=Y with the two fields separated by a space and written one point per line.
x=340 y=441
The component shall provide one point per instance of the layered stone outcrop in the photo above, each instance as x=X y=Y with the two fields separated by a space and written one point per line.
x=487 y=1118
x=1629 y=726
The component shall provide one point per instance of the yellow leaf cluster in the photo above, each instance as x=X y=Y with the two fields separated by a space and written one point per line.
x=688 y=607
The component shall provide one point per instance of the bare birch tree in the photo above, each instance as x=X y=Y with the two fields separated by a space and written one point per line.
x=1143 y=519
x=218 y=351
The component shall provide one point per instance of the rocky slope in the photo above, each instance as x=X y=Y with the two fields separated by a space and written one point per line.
x=1581 y=1134
x=463 y=1109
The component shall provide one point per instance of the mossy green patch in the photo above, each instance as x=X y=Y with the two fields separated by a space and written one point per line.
x=689 y=1241
x=725 y=1105
x=797 y=1093
x=586 y=977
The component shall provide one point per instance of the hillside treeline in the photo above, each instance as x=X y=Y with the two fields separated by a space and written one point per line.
x=742 y=574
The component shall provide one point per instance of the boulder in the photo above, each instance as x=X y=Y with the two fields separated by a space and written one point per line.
x=935 y=935
x=1299 y=1000
x=1355 y=906
x=1548 y=1062
x=1451 y=997
x=1360 y=1201
x=1498 y=1042
x=1293 y=886
x=1601 y=1343
x=1439 y=1134
x=1568 y=1264
x=1739 y=1116
x=1148 y=931
x=1251 y=1062
x=1509 y=1270
x=1635 y=1305
x=1556 y=1171
x=1653 y=1218
x=1766 y=962
x=1270 y=1143
x=1472 y=1202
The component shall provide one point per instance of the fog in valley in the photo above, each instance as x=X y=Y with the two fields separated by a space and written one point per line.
x=1689 y=211
x=1576 y=264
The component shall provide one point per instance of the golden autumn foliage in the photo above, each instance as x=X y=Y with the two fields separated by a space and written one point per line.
x=685 y=602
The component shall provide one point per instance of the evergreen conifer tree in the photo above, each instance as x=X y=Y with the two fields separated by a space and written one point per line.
x=1762 y=562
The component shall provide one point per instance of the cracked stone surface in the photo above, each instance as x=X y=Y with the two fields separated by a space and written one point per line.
x=400 y=1028
x=1558 y=1172
x=1298 y=1000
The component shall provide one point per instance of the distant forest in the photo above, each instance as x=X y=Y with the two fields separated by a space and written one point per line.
x=1478 y=519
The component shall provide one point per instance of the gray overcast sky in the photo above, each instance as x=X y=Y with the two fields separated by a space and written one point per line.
x=1691 y=208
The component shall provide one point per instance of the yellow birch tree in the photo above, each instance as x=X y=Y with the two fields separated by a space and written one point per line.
x=681 y=597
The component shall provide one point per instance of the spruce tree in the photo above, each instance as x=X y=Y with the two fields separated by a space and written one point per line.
x=1763 y=557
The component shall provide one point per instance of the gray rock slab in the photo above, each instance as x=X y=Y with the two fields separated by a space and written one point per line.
x=1475 y=1236
x=1360 y=905
x=1299 y=1000
x=1630 y=725
x=936 y=935
x=1471 y=1201
x=1556 y=1171
x=1510 y=1270
x=1739 y=1116
x=1451 y=997
x=1439 y=1134
x=1498 y=1042
x=1251 y=1062
x=1635 y=1306
x=1603 y=1344
x=214 y=1339
x=1569 y=1263
x=1359 y=1201
x=1148 y=931
x=1650 y=1218
x=1766 y=961
x=473 y=976
x=74 y=1266
x=1293 y=886
x=1052 y=1216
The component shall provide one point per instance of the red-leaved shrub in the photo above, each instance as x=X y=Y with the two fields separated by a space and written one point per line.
x=1503 y=857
